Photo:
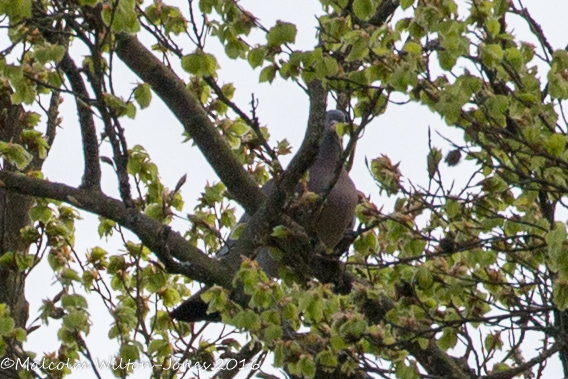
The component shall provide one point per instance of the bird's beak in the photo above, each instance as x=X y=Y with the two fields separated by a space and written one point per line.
x=334 y=126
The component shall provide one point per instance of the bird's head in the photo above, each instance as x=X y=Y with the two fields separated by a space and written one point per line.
x=333 y=117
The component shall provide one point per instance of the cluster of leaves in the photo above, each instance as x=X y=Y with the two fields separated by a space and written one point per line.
x=487 y=258
x=494 y=233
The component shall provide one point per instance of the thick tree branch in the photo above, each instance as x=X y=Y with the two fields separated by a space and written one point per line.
x=386 y=9
x=269 y=215
x=52 y=118
x=271 y=212
x=435 y=361
x=193 y=117
x=196 y=265
x=245 y=355
x=543 y=356
x=14 y=215
x=92 y=171
x=309 y=149
x=113 y=130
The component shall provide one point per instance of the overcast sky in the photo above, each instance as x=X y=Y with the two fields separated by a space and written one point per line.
x=401 y=133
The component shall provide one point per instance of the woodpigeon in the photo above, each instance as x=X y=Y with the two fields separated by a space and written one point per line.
x=335 y=217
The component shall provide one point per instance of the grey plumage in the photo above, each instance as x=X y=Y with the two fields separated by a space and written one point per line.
x=336 y=215
x=331 y=222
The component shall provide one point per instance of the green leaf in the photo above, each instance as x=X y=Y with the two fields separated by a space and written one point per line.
x=327 y=358
x=143 y=95
x=387 y=174
x=452 y=208
x=267 y=74
x=32 y=119
x=206 y=6
x=69 y=275
x=493 y=26
x=491 y=54
x=434 y=158
x=447 y=60
x=25 y=91
x=424 y=278
x=7 y=259
x=290 y=311
x=555 y=237
x=90 y=3
x=154 y=211
x=514 y=57
x=558 y=250
x=106 y=227
x=315 y=309
x=159 y=346
x=415 y=247
x=282 y=32
x=359 y=49
x=73 y=301
x=6 y=325
x=261 y=298
x=272 y=333
x=337 y=343
x=76 y=320
x=121 y=107
x=15 y=154
x=326 y=66
x=248 y=320
x=406 y=371
x=448 y=340
x=558 y=85
x=271 y=317
x=363 y=9
x=49 y=53
x=423 y=342
x=235 y=48
x=16 y=9
x=40 y=213
x=556 y=144
x=123 y=16
x=279 y=355
x=413 y=48
x=560 y=294
x=307 y=366
x=200 y=64
x=256 y=56
x=129 y=353
x=493 y=342
x=170 y=297
x=404 y=4
x=403 y=77
x=20 y=334
x=35 y=141
x=239 y=128
x=97 y=255
x=130 y=110
x=228 y=90
x=331 y=66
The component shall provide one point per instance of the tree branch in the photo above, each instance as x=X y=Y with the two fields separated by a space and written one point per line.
x=269 y=215
x=509 y=374
x=92 y=171
x=253 y=123
x=193 y=117
x=385 y=10
x=194 y=263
